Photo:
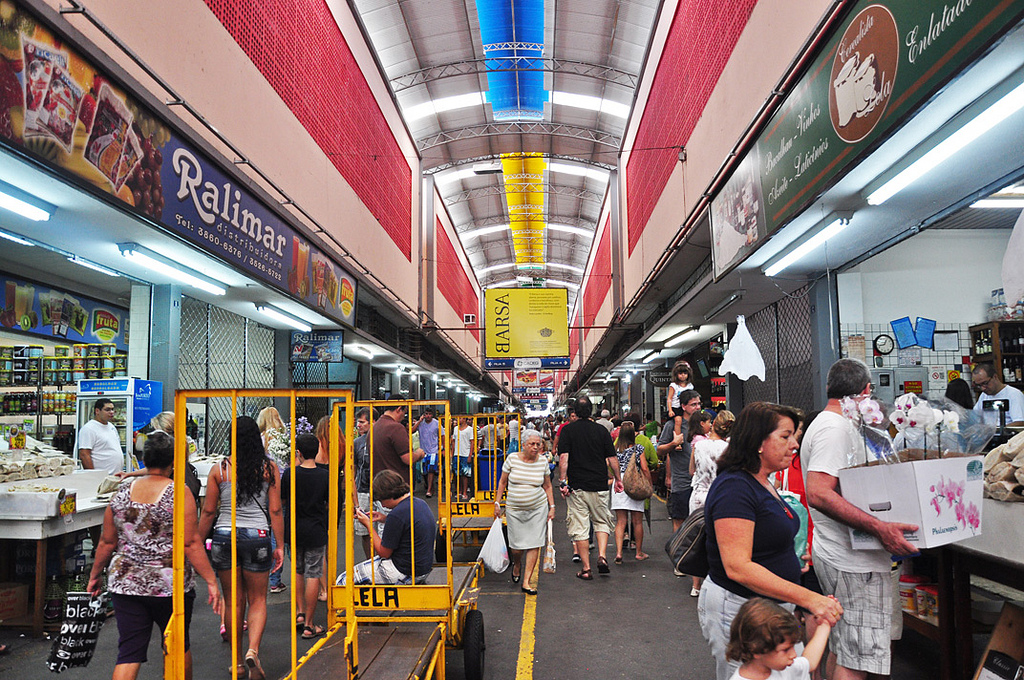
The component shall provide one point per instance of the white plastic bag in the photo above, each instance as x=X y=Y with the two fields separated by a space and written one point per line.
x=494 y=553
x=742 y=359
x=549 y=554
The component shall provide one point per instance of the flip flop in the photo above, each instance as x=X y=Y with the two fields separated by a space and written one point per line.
x=300 y=621
x=585 y=575
x=641 y=557
x=618 y=559
x=602 y=566
x=310 y=632
x=576 y=558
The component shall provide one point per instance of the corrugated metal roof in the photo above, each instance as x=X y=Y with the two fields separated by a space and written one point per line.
x=537 y=51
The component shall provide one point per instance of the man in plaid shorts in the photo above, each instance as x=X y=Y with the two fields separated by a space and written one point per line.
x=859 y=645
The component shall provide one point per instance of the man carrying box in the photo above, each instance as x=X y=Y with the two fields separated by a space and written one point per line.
x=859 y=579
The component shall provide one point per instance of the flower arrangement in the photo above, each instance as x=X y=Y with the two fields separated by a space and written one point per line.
x=867 y=414
x=279 y=443
x=915 y=419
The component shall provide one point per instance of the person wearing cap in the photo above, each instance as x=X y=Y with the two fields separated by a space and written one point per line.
x=605 y=421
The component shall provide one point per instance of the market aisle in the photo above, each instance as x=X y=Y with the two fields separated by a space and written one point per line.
x=638 y=622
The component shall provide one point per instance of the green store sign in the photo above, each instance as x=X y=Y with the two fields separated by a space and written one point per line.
x=882 y=64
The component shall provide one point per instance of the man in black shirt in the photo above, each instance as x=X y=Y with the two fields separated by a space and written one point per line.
x=585 y=455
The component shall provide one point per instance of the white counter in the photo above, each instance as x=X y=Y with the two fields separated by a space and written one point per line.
x=1002 y=536
x=89 y=511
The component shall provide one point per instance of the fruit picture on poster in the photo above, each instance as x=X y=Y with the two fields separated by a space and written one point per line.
x=57 y=106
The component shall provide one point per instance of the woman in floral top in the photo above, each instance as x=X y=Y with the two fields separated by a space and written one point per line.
x=625 y=507
x=137 y=543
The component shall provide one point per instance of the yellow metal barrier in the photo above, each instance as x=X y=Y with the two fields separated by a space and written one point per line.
x=174 y=662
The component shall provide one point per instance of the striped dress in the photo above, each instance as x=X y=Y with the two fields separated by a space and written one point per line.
x=526 y=503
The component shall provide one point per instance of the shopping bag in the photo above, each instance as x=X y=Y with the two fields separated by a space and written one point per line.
x=74 y=645
x=494 y=553
x=549 y=553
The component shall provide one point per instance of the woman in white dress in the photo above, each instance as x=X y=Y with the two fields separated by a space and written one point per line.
x=704 y=460
x=627 y=451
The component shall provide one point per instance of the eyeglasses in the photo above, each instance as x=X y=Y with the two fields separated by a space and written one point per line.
x=982 y=384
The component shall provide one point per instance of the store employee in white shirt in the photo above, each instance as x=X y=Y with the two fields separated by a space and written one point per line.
x=986 y=380
x=99 y=446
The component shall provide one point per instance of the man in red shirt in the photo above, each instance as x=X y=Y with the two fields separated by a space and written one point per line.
x=391 y=449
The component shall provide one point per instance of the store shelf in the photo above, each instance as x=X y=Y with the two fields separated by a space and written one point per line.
x=919 y=625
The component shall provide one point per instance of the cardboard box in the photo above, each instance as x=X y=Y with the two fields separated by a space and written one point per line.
x=1005 y=651
x=941 y=496
x=13 y=600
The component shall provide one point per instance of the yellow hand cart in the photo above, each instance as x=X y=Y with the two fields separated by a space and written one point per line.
x=376 y=630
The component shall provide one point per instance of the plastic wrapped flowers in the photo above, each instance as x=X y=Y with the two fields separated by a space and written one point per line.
x=937 y=432
x=867 y=415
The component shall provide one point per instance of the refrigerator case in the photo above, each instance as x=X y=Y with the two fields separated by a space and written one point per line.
x=136 y=401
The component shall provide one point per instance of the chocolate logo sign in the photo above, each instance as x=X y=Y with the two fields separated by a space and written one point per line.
x=863 y=73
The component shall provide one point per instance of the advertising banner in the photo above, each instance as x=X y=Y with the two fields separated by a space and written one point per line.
x=57 y=107
x=317 y=346
x=526 y=322
x=65 y=317
x=533 y=381
x=885 y=60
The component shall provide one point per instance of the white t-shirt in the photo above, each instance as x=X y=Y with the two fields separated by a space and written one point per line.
x=513 y=429
x=799 y=670
x=464 y=442
x=488 y=435
x=827 y=447
x=105 y=444
x=1016 y=412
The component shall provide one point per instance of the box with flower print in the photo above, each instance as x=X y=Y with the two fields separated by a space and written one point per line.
x=941 y=496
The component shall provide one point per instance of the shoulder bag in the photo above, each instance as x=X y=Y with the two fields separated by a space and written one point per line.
x=687 y=548
x=636 y=484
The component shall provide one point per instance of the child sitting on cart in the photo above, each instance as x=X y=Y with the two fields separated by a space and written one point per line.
x=401 y=540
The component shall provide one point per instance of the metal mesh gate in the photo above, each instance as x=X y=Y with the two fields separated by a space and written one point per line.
x=782 y=332
x=222 y=350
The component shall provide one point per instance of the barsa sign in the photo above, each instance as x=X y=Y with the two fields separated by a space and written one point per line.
x=501 y=324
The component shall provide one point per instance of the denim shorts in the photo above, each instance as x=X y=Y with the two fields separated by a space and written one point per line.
x=254 y=551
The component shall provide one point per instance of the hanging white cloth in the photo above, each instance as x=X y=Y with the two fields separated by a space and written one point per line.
x=1013 y=273
x=743 y=359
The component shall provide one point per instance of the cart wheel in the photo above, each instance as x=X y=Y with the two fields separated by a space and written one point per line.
x=473 y=645
x=440 y=548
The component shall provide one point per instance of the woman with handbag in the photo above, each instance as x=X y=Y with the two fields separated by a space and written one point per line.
x=258 y=513
x=704 y=467
x=529 y=506
x=750 y=530
x=629 y=453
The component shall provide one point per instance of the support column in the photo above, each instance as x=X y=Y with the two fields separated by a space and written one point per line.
x=283 y=371
x=138 y=332
x=825 y=346
x=165 y=339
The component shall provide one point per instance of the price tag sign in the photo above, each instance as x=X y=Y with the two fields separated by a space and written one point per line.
x=68 y=503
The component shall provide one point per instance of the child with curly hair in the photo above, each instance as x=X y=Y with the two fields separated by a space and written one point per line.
x=762 y=639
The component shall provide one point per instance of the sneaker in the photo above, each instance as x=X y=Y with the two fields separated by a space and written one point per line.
x=694 y=592
x=279 y=588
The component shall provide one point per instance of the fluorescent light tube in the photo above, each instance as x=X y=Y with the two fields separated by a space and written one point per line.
x=278 y=315
x=1007 y=105
x=723 y=305
x=362 y=350
x=92 y=265
x=24 y=203
x=571 y=230
x=682 y=337
x=483 y=231
x=999 y=203
x=16 y=239
x=651 y=356
x=132 y=253
x=495 y=268
x=807 y=246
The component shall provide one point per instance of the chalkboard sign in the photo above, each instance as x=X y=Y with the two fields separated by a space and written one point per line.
x=74 y=645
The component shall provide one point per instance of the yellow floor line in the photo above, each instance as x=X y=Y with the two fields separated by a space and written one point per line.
x=524 y=669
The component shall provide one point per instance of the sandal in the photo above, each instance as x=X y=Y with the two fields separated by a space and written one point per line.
x=576 y=557
x=241 y=670
x=585 y=575
x=618 y=559
x=224 y=634
x=314 y=631
x=641 y=557
x=300 y=621
x=252 y=660
x=602 y=566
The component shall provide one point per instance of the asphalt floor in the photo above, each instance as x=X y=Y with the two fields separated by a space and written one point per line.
x=637 y=622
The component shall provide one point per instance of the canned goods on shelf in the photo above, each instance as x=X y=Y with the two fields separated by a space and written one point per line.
x=93 y=374
x=6 y=352
x=121 y=361
x=107 y=363
x=92 y=350
x=92 y=363
x=79 y=350
x=108 y=349
x=120 y=372
x=62 y=350
x=78 y=374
